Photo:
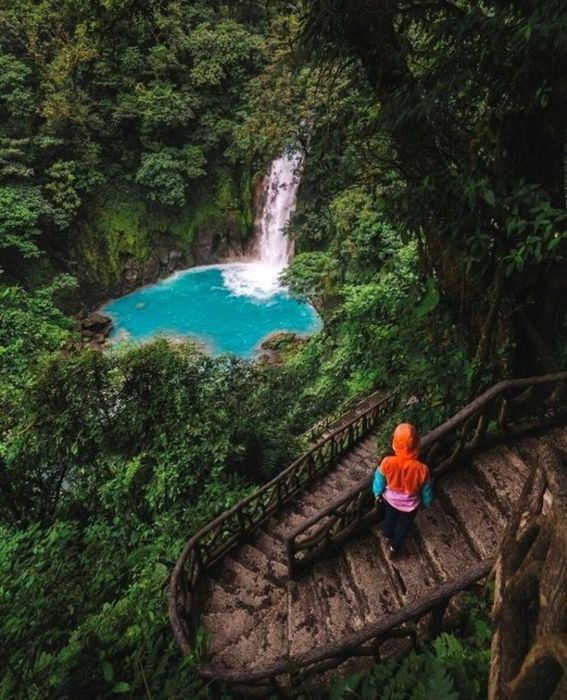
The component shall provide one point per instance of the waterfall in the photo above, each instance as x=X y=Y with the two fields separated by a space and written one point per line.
x=280 y=193
x=273 y=248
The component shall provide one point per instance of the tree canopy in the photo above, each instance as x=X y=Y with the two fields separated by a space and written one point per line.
x=430 y=234
x=470 y=140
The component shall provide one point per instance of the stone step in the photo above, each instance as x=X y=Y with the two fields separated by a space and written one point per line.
x=237 y=577
x=558 y=438
x=304 y=509
x=271 y=547
x=368 y=443
x=411 y=570
x=497 y=474
x=468 y=506
x=354 y=469
x=280 y=529
x=221 y=598
x=263 y=644
x=305 y=615
x=315 y=500
x=324 y=491
x=226 y=627
x=256 y=560
x=343 y=613
x=340 y=482
x=528 y=450
x=255 y=617
x=294 y=514
x=366 y=452
x=377 y=592
x=444 y=542
x=522 y=469
x=322 y=503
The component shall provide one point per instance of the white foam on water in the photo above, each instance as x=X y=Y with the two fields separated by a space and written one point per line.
x=254 y=279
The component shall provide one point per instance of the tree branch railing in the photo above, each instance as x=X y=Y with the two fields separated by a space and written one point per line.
x=217 y=537
x=529 y=644
x=373 y=641
x=336 y=419
x=509 y=408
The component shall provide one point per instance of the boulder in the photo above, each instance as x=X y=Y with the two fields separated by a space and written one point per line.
x=96 y=323
x=281 y=340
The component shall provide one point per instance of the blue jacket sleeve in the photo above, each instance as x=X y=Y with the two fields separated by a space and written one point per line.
x=379 y=483
x=426 y=494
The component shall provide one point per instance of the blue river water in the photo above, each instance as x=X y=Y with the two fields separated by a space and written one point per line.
x=228 y=308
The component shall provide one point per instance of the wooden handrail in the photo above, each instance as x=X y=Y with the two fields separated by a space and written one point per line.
x=228 y=528
x=198 y=554
x=354 y=509
x=334 y=418
x=350 y=643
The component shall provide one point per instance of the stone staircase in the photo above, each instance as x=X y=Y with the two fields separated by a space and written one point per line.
x=253 y=616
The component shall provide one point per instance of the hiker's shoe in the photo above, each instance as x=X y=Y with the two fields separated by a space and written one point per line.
x=393 y=553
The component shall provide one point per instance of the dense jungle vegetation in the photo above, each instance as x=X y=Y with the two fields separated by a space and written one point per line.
x=430 y=233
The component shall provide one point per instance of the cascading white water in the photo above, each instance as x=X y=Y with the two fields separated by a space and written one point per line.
x=280 y=193
x=273 y=248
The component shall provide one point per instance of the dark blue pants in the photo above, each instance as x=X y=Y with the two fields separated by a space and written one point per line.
x=397 y=524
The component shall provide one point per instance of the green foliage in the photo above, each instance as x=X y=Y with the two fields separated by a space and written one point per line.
x=16 y=96
x=129 y=453
x=172 y=419
x=432 y=174
x=138 y=101
x=450 y=668
x=430 y=300
x=464 y=138
x=385 y=323
x=311 y=276
x=97 y=625
x=30 y=326
x=223 y=54
x=62 y=191
x=20 y=210
x=165 y=173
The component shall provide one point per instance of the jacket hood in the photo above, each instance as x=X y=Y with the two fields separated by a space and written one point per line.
x=406 y=441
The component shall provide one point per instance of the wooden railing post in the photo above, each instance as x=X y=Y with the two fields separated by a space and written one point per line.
x=529 y=654
x=199 y=563
x=241 y=521
x=436 y=620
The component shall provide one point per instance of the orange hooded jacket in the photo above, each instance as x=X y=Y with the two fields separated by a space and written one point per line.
x=404 y=472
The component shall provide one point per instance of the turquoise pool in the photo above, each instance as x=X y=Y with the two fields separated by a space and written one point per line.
x=229 y=308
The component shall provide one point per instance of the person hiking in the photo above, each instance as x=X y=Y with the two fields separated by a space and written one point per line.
x=404 y=484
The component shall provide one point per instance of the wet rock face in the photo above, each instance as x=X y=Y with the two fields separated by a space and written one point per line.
x=131 y=273
x=136 y=274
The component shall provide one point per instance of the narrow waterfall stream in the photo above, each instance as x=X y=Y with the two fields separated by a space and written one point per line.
x=280 y=195
x=273 y=248
x=228 y=307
